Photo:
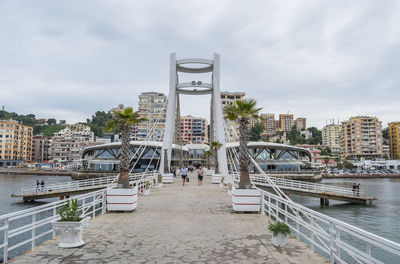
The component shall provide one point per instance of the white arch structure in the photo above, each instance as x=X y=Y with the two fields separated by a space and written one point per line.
x=194 y=88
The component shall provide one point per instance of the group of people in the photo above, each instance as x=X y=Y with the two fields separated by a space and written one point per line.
x=184 y=173
x=39 y=185
x=356 y=189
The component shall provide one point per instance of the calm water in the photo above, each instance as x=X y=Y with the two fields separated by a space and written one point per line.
x=13 y=183
x=382 y=218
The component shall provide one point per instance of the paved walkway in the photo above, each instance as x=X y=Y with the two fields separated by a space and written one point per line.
x=176 y=224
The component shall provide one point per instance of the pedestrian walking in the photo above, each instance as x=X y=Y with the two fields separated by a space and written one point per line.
x=354 y=188
x=42 y=185
x=37 y=185
x=183 y=174
x=200 y=175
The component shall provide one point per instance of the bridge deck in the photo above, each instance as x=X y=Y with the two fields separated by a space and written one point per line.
x=175 y=224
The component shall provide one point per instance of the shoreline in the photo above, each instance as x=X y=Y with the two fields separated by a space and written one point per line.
x=359 y=175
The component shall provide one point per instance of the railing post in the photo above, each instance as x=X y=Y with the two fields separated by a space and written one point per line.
x=368 y=249
x=269 y=207
x=33 y=230
x=286 y=212
x=83 y=207
x=312 y=234
x=338 y=242
x=94 y=206
x=297 y=224
x=54 y=214
x=331 y=243
x=262 y=203
x=5 y=249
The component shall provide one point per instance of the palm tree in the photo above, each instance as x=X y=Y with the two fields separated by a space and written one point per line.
x=123 y=120
x=241 y=112
x=215 y=146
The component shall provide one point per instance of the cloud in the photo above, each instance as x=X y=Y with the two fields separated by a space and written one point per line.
x=320 y=60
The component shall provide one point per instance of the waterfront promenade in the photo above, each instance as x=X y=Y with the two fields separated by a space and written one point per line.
x=176 y=224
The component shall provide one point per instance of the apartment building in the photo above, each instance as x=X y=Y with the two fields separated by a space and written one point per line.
x=286 y=122
x=361 y=137
x=194 y=129
x=41 y=148
x=153 y=107
x=15 y=143
x=79 y=132
x=331 y=137
x=300 y=123
x=269 y=123
x=230 y=98
x=394 y=139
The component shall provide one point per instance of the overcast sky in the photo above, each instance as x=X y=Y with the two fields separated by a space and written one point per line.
x=315 y=59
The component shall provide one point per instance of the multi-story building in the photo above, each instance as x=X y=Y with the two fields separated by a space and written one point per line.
x=193 y=129
x=79 y=132
x=41 y=148
x=269 y=123
x=300 y=123
x=152 y=107
x=66 y=150
x=361 y=137
x=394 y=139
x=230 y=98
x=286 y=122
x=331 y=137
x=15 y=143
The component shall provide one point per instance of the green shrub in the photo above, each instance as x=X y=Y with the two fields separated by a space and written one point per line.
x=279 y=227
x=70 y=211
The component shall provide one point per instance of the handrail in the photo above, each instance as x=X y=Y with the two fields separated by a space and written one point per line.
x=337 y=239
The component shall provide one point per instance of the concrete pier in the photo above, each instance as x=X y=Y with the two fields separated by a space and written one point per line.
x=177 y=224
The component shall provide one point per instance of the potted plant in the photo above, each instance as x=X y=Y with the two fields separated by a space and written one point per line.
x=71 y=225
x=245 y=198
x=160 y=180
x=280 y=232
x=146 y=190
x=124 y=198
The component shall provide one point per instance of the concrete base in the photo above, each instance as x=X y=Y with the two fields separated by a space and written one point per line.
x=122 y=199
x=246 y=200
x=216 y=178
x=167 y=178
x=71 y=232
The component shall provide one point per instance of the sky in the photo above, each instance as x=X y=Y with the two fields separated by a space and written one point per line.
x=321 y=60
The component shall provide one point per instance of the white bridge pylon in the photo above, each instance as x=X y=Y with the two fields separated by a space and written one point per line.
x=217 y=132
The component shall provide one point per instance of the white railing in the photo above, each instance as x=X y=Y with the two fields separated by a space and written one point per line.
x=25 y=229
x=77 y=185
x=311 y=187
x=334 y=239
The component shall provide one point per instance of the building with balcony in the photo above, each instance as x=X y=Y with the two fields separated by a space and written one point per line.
x=152 y=107
x=286 y=122
x=300 y=123
x=361 y=137
x=15 y=143
x=394 y=139
x=269 y=123
x=194 y=129
x=79 y=132
x=41 y=148
x=331 y=137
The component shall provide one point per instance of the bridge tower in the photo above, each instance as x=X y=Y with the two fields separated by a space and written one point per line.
x=176 y=88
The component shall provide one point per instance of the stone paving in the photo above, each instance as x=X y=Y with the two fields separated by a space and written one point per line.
x=177 y=224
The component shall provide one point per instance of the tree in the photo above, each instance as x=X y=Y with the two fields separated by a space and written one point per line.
x=51 y=121
x=241 y=112
x=326 y=161
x=124 y=120
x=215 y=146
x=256 y=131
x=206 y=156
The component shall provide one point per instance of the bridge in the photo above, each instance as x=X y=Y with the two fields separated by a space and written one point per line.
x=66 y=189
x=175 y=214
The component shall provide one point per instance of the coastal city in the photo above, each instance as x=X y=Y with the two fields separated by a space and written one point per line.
x=361 y=144
x=188 y=132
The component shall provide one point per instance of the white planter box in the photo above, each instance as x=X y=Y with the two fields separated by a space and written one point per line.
x=71 y=232
x=167 y=178
x=280 y=240
x=216 y=178
x=246 y=200
x=210 y=172
x=146 y=192
x=122 y=199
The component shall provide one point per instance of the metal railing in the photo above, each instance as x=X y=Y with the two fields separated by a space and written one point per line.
x=302 y=186
x=25 y=229
x=334 y=239
x=77 y=185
